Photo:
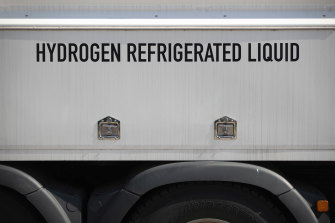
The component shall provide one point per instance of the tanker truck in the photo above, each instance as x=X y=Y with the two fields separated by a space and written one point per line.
x=179 y=111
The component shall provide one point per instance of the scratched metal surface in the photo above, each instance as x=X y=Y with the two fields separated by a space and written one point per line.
x=167 y=9
x=49 y=5
x=285 y=111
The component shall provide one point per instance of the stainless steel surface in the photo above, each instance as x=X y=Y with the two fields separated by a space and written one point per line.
x=167 y=109
x=159 y=5
x=285 y=110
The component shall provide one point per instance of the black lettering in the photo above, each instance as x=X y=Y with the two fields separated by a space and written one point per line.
x=73 y=48
x=61 y=48
x=95 y=56
x=278 y=53
x=225 y=52
x=249 y=54
x=51 y=51
x=178 y=55
x=267 y=52
x=296 y=47
x=83 y=52
x=170 y=53
x=161 y=48
x=188 y=52
x=209 y=53
x=116 y=53
x=198 y=49
x=236 y=52
x=150 y=51
x=217 y=51
x=40 y=52
x=131 y=49
x=104 y=52
x=141 y=52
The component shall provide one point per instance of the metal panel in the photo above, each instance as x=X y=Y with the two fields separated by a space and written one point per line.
x=284 y=110
x=49 y=5
x=190 y=3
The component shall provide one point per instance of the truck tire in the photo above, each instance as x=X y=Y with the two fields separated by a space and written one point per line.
x=14 y=208
x=206 y=203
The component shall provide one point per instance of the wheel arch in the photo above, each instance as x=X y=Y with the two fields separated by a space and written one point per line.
x=183 y=172
x=35 y=193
